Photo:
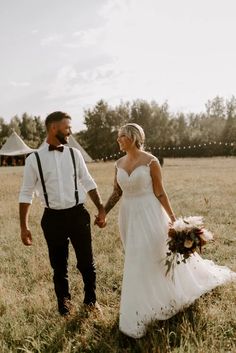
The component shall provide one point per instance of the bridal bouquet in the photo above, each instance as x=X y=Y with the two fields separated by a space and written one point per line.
x=186 y=236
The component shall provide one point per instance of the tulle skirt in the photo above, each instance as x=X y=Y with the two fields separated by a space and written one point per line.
x=147 y=293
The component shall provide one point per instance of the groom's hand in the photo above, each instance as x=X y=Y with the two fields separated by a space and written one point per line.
x=26 y=237
x=100 y=219
x=99 y=223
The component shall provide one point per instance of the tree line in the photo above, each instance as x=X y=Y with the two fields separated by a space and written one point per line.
x=212 y=132
x=209 y=133
x=30 y=128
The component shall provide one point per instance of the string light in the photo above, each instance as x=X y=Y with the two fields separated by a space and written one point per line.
x=173 y=148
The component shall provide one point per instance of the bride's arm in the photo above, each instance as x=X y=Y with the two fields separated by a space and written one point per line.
x=159 y=190
x=115 y=196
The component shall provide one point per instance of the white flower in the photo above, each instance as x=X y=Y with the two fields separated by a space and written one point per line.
x=179 y=224
x=194 y=221
x=206 y=235
x=188 y=223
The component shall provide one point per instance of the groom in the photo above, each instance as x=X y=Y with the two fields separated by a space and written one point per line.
x=60 y=176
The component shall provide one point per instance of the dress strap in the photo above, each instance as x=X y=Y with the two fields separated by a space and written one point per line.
x=153 y=159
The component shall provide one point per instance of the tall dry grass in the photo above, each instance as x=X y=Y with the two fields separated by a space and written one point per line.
x=29 y=321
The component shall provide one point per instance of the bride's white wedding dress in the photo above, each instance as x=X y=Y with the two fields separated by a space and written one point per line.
x=147 y=294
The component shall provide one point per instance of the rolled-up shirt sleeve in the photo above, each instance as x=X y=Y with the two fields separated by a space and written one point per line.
x=29 y=183
x=85 y=178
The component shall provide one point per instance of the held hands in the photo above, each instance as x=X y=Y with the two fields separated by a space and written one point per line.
x=100 y=219
x=26 y=237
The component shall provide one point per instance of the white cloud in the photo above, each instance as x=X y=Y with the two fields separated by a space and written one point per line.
x=51 y=40
x=162 y=52
x=89 y=37
x=70 y=84
x=19 y=84
x=149 y=49
x=63 y=82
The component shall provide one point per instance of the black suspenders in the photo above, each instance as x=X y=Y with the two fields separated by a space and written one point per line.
x=42 y=179
x=75 y=177
x=43 y=182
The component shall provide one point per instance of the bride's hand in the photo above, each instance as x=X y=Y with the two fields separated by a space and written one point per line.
x=100 y=219
x=100 y=223
x=172 y=219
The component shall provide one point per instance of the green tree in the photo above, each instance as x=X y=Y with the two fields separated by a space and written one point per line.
x=28 y=129
x=214 y=122
x=14 y=124
x=158 y=135
x=4 y=131
x=141 y=113
x=40 y=130
x=100 y=136
x=229 y=131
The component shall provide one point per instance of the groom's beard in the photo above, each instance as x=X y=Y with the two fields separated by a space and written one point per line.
x=62 y=138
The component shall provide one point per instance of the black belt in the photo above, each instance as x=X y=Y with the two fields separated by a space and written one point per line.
x=64 y=210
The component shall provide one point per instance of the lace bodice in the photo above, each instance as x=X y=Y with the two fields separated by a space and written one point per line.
x=139 y=182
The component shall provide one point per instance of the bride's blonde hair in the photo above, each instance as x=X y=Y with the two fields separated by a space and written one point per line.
x=135 y=133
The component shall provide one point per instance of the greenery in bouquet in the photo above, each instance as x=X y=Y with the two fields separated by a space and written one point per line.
x=186 y=235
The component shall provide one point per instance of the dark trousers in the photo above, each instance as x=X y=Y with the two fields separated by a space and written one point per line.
x=60 y=226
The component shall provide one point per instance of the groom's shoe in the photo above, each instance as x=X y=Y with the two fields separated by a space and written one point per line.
x=89 y=297
x=65 y=307
x=94 y=308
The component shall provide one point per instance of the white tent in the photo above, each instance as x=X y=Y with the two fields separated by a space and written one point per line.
x=73 y=143
x=15 y=146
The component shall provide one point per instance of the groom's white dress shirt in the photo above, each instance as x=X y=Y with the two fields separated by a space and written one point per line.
x=58 y=172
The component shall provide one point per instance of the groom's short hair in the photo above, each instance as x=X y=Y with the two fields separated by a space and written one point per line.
x=55 y=117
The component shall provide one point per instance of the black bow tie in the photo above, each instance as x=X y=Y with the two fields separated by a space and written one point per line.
x=55 y=148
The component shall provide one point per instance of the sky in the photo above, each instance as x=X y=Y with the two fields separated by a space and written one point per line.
x=68 y=54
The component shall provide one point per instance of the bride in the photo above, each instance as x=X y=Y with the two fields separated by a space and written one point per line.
x=144 y=218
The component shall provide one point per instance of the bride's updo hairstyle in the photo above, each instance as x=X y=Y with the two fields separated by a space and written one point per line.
x=135 y=133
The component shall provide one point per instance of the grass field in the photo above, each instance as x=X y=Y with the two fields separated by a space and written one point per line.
x=28 y=315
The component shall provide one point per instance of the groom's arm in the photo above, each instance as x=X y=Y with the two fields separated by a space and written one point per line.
x=87 y=181
x=115 y=196
x=96 y=198
x=91 y=188
x=25 y=199
x=26 y=236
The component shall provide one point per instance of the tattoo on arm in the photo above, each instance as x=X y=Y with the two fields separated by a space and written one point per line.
x=114 y=198
x=96 y=198
x=160 y=195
